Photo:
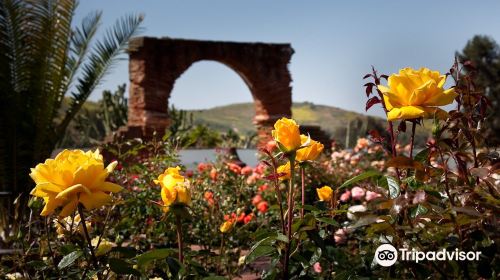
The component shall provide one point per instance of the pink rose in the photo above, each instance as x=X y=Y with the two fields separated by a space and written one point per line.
x=357 y=193
x=317 y=267
x=371 y=195
x=345 y=196
x=340 y=236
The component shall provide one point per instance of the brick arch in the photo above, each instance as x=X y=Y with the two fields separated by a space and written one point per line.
x=156 y=63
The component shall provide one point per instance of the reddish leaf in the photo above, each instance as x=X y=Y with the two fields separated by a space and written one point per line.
x=384 y=77
x=375 y=136
x=372 y=101
x=402 y=126
x=404 y=162
x=367 y=75
x=480 y=172
x=368 y=90
x=275 y=176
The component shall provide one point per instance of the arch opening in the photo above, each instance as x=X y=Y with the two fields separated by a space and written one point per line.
x=156 y=64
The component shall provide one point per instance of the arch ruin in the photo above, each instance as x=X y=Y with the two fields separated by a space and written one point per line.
x=156 y=63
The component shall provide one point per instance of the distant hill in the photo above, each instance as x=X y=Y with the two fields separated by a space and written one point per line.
x=239 y=116
x=331 y=119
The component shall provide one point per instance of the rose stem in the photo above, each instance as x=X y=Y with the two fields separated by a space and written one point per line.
x=179 y=237
x=412 y=139
x=289 y=215
x=303 y=192
x=87 y=237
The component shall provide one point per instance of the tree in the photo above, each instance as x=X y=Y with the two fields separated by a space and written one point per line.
x=484 y=53
x=43 y=59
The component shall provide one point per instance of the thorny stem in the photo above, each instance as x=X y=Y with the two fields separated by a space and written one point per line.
x=47 y=228
x=289 y=216
x=279 y=197
x=303 y=191
x=87 y=237
x=447 y=186
x=447 y=190
x=179 y=238
x=391 y=127
x=104 y=227
x=412 y=139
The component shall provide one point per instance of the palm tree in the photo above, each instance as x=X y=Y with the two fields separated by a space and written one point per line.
x=43 y=60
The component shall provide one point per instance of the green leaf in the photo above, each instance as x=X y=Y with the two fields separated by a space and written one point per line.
x=69 y=259
x=259 y=251
x=316 y=256
x=174 y=266
x=215 y=278
x=360 y=177
x=126 y=252
x=38 y=265
x=364 y=221
x=122 y=267
x=419 y=210
x=422 y=155
x=261 y=248
x=329 y=221
x=152 y=255
x=393 y=185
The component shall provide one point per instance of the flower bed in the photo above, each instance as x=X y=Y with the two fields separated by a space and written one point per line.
x=302 y=212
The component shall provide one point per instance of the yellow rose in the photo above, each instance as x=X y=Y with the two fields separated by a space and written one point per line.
x=104 y=246
x=325 y=193
x=413 y=94
x=285 y=168
x=310 y=152
x=286 y=133
x=73 y=177
x=226 y=226
x=173 y=187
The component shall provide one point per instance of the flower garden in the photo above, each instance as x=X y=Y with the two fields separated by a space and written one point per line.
x=304 y=212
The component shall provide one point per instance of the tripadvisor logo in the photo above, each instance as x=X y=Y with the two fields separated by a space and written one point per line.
x=387 y=255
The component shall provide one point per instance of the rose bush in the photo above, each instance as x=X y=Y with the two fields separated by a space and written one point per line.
x=302 y=213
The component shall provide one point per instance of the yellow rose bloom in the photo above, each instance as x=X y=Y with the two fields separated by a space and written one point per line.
x=325 y=193
x=226 y=226
x=285 y=168
x=104 y=246
x=173 y=187
x=286 y=133
x=73 y=177
x=310 y=152
x=414 y=94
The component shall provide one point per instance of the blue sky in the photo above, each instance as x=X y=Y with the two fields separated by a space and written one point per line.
x=335 y=42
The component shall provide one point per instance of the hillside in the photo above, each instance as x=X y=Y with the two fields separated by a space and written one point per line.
x=331 y=119
x=239 y=116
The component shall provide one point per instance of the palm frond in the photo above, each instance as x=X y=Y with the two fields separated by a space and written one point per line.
x=50 y=32
x=13 y=38
x=81 y=40
x=14 y=80
x=100 y=61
